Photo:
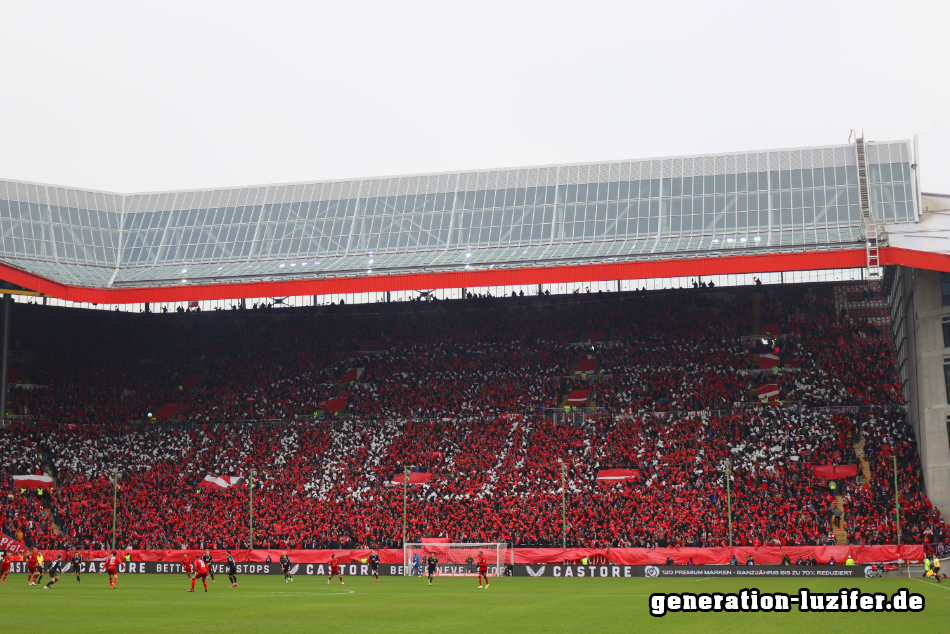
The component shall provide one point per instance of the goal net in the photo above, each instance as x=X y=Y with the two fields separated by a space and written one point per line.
x=456 y=559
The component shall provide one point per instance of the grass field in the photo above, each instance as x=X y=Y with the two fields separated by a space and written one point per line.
x=160 y=603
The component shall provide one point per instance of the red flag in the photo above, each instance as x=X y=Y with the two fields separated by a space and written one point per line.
x=835 y=471
x=416 y=477
x=334 y=405
x=768 y=360
x=613 y=475
x=577 y=397
x=585 y=365
x=212 y=481
x=767 y=392
x=351 y=375
x=32 y=481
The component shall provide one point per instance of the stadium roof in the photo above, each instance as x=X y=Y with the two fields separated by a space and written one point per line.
x=793 y=209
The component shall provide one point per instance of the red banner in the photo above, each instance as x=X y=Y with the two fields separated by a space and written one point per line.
x=623 y=556
x=835 y=471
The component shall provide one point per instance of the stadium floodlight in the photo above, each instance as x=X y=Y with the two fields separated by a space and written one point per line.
x=281 y=265
x=460 y=559
x=251 y=508
x=115 y=495
x=183 y=281
x=468 y=255
x=371 y=260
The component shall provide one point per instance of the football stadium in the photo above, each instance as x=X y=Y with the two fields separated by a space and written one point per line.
x=585 y=397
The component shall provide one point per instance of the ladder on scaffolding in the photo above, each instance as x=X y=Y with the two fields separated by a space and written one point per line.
x=870 y=228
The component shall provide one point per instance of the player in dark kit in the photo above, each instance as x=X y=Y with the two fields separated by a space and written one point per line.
x=431 y=563
x=232 y=570
x=76 y=563
x=335 y=570
x=374 y=564
x=285 y=565
x=208 y=559
x=482 y=570
x=53 y=569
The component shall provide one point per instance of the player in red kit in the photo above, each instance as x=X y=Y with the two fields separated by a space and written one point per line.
x=186 y=565
x=31 y=564
x=482 y=570
x=112 y=568
x=201 y=572
x=335 y=569
x=5 y=560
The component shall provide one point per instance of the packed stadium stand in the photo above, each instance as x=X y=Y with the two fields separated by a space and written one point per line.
x=492 y=400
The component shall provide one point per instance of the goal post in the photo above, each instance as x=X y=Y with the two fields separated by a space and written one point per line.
x=457 y=559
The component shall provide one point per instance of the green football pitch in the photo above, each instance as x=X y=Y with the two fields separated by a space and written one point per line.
x=160 y=603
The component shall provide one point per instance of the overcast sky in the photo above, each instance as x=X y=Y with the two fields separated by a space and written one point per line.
x=136 y=96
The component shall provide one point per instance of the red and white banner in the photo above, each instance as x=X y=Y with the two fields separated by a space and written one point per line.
x=585 y=366
x=351 y=375
x=512 y=416
x=768 y=360
x=32 y=481
x=212 y=480
x=11 y=546
x=767 y=392
x=612 y=475
x=416 y=477
x=577 y=397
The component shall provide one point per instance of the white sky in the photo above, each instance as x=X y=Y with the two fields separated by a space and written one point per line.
x=137 y=96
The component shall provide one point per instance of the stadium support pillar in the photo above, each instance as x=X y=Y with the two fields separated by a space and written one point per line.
x=897 y=501
x=563 y=505
x=387 y=297
x=5 y=360
x=405 y=496
x=729 y=496
x=916 y=304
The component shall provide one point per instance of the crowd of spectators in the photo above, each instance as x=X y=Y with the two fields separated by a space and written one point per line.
x=465 y=392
